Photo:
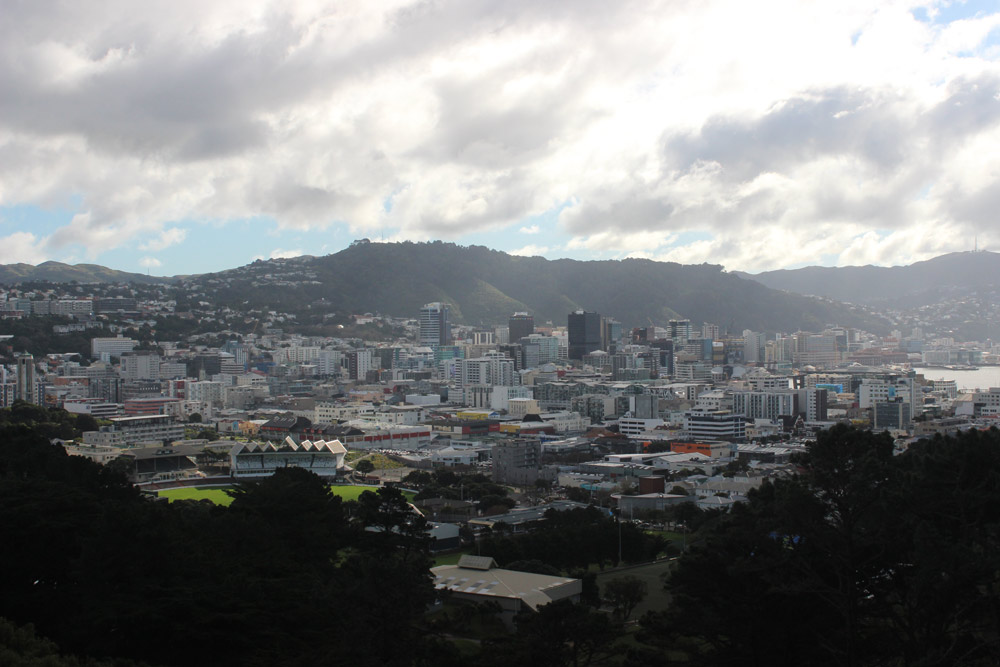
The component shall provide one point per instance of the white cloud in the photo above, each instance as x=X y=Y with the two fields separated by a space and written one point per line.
x=278 y=253
x=530 y=251
x=774 y=132
x=21 y=247
x=167 y=238
x=150 y=262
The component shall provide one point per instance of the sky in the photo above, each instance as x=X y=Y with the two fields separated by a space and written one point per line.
x=188 y=136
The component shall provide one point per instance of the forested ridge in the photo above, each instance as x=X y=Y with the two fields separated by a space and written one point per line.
x=485 y=286
x=863 y=558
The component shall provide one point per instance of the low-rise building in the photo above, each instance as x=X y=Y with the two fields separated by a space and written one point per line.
x=129 y=431
x=478 y=579
x=714 y=425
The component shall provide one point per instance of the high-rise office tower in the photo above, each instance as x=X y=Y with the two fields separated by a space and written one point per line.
x=435 y=328
x=584 y=329
x=753 y=346
x=25 y=387
x=665 y=347
x=679 y=330
x=520 y=325
x=611 y=333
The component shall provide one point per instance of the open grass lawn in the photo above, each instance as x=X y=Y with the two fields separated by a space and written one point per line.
x=448 y=559
x=652 y=574
x=219 y=496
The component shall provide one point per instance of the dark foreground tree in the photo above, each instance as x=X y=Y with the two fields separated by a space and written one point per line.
x=281 y=577
x=864 y=559
x=624 y=594
x=560 y=633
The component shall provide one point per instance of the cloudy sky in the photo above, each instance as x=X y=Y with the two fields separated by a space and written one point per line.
x=191 y=136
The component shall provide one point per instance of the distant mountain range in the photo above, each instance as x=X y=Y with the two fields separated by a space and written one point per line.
x=57 y=272
x=485 y=286
x=910 y=285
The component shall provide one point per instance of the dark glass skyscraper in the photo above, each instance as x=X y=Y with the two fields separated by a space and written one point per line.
x=520 y=325
x=584 y=329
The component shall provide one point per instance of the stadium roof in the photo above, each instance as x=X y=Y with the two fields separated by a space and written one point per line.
x=332 y=446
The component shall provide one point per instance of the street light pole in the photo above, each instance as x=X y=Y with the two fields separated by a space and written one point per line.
x=619 y=535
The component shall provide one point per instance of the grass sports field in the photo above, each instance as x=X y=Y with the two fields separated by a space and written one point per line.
x=219 y=497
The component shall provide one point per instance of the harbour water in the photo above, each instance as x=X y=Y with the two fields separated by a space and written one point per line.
x=983 y=379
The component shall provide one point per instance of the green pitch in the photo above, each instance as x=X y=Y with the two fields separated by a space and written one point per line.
x=219 y=496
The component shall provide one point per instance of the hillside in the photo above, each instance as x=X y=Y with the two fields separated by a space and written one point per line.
x=57 y=272
x=913 y=285
x=484 y=286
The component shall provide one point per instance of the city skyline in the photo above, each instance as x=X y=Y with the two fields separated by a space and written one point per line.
x=830 y=134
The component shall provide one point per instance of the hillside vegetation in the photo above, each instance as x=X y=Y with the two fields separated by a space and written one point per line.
x=484 y=286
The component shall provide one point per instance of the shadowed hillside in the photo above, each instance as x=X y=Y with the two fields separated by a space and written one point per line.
x=484 y=286
x=905 y=285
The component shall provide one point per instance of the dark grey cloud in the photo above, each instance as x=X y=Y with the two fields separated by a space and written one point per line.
x=825 y=123
x=883 y=134
x=473 y=114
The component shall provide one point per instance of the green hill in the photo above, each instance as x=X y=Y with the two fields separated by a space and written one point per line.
x=57 y=272
x=910 y=285
x=484 y=286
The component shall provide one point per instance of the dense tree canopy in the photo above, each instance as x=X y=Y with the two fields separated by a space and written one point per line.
x=287 y=575
x=574 y=539
x=863 y=559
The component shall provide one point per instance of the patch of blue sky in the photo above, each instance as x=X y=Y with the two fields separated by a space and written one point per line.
x=939 y=15
x=211 y=246
x=943 y=13
x=991 y=41
x=689 y=237
x=35 y=219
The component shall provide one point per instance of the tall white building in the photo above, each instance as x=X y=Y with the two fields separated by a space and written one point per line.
x=328 y=362
x=359 y=363
x=753 y=346
x=494 y=368
x=136 y=366
x=679 y=331
x=872 y=391
x=105 y=348
x=205 y=391
x=25 y=385
x=435 y=327
x=816 y=349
